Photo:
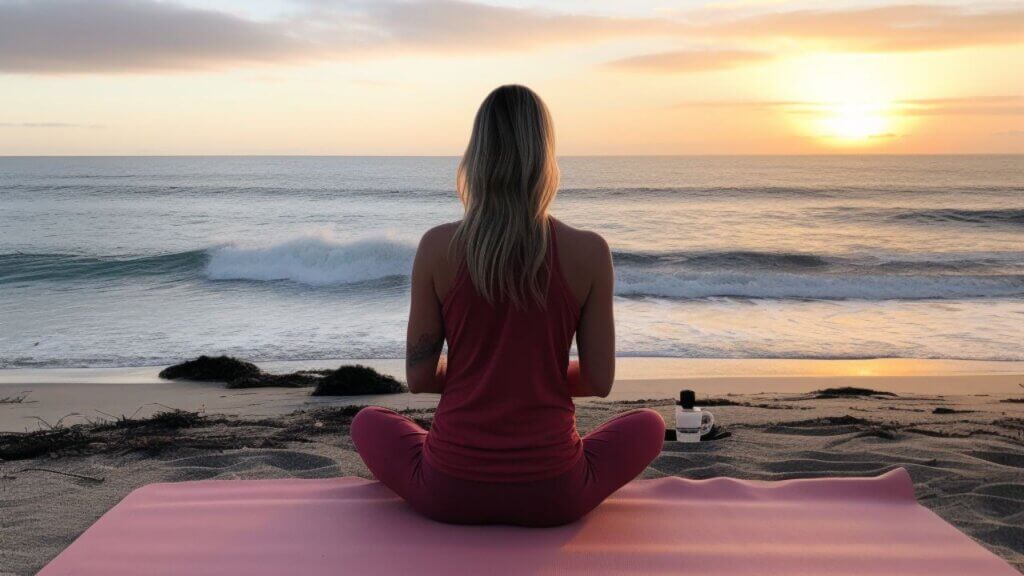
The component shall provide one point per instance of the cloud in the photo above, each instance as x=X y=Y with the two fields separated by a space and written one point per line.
x=978 y=106
x=1010 y=105
x=897 y=28
x=125 y=36
x=68 y=36
x=886 y=28
x=46 y=125
x=692 y=60
x=111 y=36
x=460 y=25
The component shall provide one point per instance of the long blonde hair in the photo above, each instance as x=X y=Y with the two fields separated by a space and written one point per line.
x=506 y=180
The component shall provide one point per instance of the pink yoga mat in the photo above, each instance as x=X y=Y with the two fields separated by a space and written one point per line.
x=849 y=526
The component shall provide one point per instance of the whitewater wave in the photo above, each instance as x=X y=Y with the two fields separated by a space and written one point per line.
x=315 y=260
x=320 y=260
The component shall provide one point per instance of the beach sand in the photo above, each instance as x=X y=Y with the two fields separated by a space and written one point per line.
x=966 y=458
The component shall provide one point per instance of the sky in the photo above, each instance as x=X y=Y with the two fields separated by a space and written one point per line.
x=404 y=77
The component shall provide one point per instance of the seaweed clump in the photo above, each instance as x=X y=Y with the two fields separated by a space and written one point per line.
x=156 y=432
x=357 y=380
x=944 y=410
x=212 y=369
x=848 y=392
x=351 y=380
x=301 y=379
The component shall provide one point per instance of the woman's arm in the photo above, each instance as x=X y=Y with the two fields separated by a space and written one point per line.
x=594 y=372
x=424 y=367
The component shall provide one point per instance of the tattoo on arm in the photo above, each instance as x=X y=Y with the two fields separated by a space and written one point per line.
x=428 y=347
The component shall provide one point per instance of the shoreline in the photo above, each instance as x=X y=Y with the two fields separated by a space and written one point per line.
x=80 y=395
x=627 y=368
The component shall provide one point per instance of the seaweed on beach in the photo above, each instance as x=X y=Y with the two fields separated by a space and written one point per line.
x=301 y=379
x=96 y=437
x=212 y=369
x=704 y=403
x=944 y=410
x=712 y=402
x=16 y=399
x=182 y=430
x=849 y=392
x=351 y=380
x=357 y=380
x=21 y=446
x=154 y=434
x=237 y=373
x=1014 y=400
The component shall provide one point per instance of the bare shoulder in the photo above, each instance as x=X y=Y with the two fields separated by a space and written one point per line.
x=441 y=233
x=436 y=258
x=581 y=245
x=436 y=241
x=584 y=257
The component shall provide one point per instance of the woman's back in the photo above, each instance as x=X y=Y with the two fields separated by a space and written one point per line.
x=508 y=287
x=506 y=412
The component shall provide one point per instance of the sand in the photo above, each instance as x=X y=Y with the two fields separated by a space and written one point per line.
x=967 y=461
x=79 y=395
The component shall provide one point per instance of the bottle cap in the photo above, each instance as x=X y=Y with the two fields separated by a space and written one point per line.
x=687 y=399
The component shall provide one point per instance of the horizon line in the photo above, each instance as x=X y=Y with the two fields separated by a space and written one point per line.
x=709 y=155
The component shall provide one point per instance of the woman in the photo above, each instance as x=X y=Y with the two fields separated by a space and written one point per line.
x=508 y=287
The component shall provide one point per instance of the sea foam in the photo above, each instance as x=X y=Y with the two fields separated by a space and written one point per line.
x=315 y=260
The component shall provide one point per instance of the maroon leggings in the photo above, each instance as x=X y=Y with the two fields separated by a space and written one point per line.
x=391 y=445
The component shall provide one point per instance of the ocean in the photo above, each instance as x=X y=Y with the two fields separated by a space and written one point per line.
x=142 y=261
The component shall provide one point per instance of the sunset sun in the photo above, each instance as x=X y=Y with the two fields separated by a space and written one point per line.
x=854 y=123
x=844 y=100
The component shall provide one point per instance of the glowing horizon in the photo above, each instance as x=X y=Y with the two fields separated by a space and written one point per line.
x=404 y=77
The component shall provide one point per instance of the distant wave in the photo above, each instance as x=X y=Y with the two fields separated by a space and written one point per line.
x=724 y=259
x=781 y=275
x=120 y=185
x=313 y=260
x=23 y=267
x=816 y=287
x=820 y=192
x=797 y=262
x=1013 y=216
x=321 y=260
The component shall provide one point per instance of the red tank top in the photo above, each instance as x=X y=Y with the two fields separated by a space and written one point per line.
x=506 y=414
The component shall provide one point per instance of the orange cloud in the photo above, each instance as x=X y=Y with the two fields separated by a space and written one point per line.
x=886 y=28
x=104 y=36
x=1012 y=105
x=113 y=36
x=692 y=60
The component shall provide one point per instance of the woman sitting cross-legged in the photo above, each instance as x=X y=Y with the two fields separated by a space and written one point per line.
x=508 y=287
